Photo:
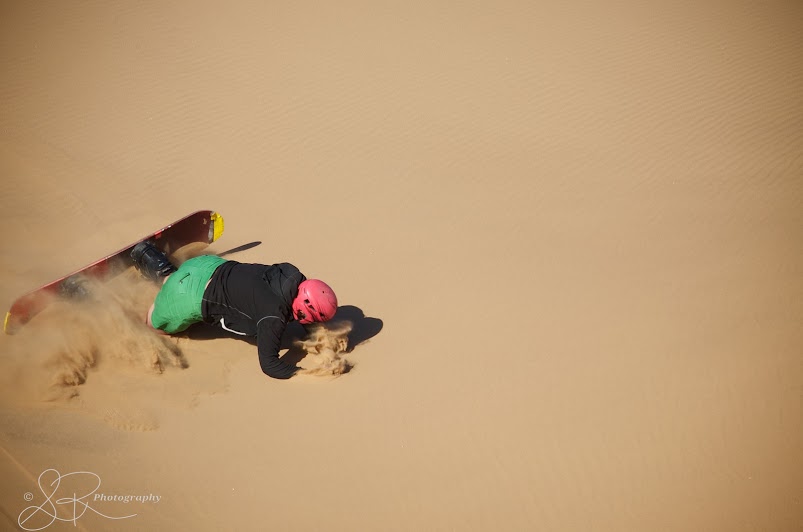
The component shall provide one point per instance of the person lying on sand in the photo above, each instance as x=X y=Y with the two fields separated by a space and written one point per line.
x=254 y=300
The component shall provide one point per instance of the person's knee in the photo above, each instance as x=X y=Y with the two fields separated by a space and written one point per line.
x=149 y=322
x=148 y=316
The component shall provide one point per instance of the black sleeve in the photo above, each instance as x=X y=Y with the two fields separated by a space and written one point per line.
x=269 y=335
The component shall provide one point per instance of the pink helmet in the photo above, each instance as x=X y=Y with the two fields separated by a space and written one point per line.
x=316 y=301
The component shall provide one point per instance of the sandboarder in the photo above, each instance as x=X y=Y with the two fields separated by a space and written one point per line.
x=254 y=300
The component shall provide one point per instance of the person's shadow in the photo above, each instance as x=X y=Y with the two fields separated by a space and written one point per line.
x=363 y=328
x=238 y=249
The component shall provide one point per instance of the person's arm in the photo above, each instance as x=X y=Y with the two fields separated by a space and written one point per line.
x=269 y=335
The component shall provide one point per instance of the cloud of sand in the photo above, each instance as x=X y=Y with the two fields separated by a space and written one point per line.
x=70 y=342
x=325 y=348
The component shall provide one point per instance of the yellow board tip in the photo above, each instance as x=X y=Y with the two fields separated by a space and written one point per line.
x=5 y=323
x=217 y=221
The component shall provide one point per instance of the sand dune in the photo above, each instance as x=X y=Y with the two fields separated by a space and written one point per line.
x=566 y=239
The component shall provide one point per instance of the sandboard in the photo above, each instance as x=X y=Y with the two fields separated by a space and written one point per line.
x=201 y=226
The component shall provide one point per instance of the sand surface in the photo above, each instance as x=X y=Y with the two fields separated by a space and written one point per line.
x=568 y=237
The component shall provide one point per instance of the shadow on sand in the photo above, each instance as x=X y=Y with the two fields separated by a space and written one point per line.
x=240 y=248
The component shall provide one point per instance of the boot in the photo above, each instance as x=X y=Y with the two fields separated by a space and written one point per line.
x=74 y=288
x=150 y=262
